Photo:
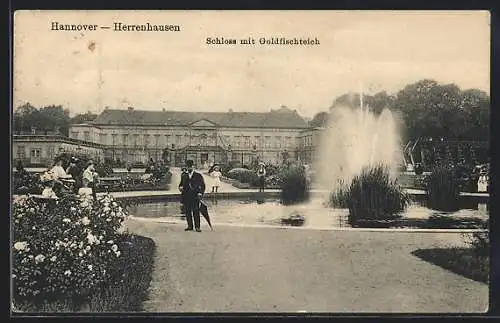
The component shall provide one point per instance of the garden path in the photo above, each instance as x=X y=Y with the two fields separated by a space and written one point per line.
x=248 y=269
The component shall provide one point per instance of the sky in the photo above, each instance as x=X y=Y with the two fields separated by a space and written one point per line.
x=368 y=50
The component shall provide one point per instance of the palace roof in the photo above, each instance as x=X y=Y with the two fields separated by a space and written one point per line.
x=281 y=118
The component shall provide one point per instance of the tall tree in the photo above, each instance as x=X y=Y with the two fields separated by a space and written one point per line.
x=25 y=118
x=319 y=120
x=49 y=119
x=84 y=117
x=433 y=110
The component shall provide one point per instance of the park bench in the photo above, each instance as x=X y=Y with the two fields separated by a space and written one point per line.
x=107 y=183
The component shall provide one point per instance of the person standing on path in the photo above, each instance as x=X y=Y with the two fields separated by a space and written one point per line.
x=192 y=187
x=261 y=172
x=216 y=174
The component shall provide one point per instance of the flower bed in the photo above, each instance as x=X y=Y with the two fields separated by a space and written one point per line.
x=26 y=183
x=65 y=250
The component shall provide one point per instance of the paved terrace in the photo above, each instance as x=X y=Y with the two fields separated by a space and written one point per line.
x=303 y=271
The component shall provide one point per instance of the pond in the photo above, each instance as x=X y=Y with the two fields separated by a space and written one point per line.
x=269 y=211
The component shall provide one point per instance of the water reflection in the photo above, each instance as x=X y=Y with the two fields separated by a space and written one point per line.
x=269 y=211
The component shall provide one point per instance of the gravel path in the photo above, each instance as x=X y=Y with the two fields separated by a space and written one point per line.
x=248 y=269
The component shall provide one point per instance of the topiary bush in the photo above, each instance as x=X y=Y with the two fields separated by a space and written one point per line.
x=243 y=175
x=371 y=196
x=294 y=186
x=443 y=190
x=63 y=249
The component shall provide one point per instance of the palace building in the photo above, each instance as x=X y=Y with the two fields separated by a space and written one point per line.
x=40 y=149
x=135 y=136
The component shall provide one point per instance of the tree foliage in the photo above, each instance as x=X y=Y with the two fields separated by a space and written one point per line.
x=319 y=120
x=84 y=117
x=52 y=118
x=431 y=110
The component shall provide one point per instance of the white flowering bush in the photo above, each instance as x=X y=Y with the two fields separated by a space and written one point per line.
x=66 y=247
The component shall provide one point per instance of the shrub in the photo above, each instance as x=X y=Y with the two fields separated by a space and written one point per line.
x=127 y=288
x=129 y=277
x=273 y=181
x=27 y=183
x=273 y=170
x=372 y=195
x=65 y=248
x=243 y=175
x=443 y=191
x=294 y=188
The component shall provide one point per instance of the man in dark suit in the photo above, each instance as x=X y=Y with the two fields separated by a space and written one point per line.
x=192 y=187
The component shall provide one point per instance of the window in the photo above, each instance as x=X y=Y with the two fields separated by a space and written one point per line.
x=167 y=140
x=247 y=141
x=114 y=140
x=277 y=142
x=51 y=152
x=157 y=140
x=147 y=140
x=179 y=139
x=256 y=141
x=288 y=142
x=136 y=139
x=124 y=138
x=35 y=153
x=21 y=153
x=203 y=139
x=86 y=135
x=75 y=134
x=227 y=139
x=268 y=141
x=102 y=138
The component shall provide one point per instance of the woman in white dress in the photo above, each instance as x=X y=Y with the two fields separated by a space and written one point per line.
x=216 y=174
x=85 y=190
x=90 y=175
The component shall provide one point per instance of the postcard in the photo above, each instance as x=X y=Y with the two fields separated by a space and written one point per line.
x=300 y=162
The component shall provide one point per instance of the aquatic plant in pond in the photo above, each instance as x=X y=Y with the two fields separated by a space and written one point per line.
x=371 y=195
x=294 y=188
x=443 y=190
x=339 y=198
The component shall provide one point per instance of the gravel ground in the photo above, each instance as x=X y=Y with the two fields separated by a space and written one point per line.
x=248 y=269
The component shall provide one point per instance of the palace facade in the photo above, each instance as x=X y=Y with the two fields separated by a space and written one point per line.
x=135 y=136
x=41 y=149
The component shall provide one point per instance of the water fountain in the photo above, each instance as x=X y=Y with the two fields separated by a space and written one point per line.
x=355 y=138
